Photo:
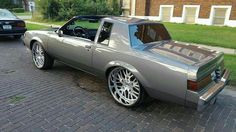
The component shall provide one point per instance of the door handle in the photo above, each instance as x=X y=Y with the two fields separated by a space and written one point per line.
x=88 y=47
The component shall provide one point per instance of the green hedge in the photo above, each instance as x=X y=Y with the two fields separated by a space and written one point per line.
x=65 y=9
x=18 y=10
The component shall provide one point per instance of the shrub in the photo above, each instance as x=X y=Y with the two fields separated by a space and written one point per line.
x=18 y=10
x=49 y=8
x=65 y=9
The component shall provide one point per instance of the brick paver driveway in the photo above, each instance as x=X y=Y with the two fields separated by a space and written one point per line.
x=65 y=99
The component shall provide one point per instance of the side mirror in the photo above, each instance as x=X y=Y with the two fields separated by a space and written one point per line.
x=60 y=33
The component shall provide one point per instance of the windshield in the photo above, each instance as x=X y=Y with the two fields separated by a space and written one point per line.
x=147 y=33
x=6 y=14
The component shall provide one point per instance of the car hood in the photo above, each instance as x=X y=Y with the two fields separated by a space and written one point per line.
x=184 y=53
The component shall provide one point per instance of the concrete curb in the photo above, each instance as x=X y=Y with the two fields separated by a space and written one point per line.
x=220 y=49
x=25 y=17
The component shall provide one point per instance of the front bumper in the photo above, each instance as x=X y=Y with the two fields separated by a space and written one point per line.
x=202 y=99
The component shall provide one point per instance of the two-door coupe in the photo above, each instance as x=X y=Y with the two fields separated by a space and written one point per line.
x=136 y=56
x=10 y=25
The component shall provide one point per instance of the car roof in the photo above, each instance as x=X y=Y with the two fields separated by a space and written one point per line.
x=127 y=20
x=90 y=17
x=124 y=20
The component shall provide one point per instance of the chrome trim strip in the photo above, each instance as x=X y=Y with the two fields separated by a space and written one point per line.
x=225 y=77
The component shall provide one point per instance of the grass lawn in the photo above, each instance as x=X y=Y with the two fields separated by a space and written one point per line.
x=23 y=14
x=207 y=35
x=230 y=63
x=35 y=26
x=40 y=20
x=53 y=22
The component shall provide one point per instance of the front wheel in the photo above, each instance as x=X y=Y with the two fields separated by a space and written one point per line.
x=40 y=58
x=125 y=87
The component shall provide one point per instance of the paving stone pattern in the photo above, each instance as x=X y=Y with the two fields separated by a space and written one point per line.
x=65 y=99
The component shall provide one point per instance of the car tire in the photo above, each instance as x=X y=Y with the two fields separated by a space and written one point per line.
x=125 y=88
x=40 y=58
x=17 y=36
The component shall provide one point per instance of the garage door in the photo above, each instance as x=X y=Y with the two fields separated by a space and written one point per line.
x=166 y=14
x=219 y=16
x=190 y=15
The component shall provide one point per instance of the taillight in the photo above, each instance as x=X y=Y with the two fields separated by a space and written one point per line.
x=198 y=85
x=20 y=24
x=192 y=85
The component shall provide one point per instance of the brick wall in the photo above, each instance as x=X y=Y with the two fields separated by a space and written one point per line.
x=140 y=7
x=205 y=8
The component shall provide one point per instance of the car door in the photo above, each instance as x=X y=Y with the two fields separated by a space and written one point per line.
x=77 y=52
x=71 y=49
x=74 y=51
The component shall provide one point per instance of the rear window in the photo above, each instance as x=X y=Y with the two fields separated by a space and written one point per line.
x=6 y=14
x=147 y=33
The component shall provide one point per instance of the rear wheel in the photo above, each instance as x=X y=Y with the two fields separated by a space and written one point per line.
x=40 y=58
x=125 y=87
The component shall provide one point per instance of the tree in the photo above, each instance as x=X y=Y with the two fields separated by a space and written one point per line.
x=8 y=4
x=116 y=6
x=26 y=4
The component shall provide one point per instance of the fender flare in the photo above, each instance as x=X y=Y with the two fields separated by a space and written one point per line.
x=131 y=68
x=34 y=39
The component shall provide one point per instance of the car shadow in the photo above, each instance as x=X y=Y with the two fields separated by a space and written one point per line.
x=81 y=79
x=9 y=39
x=95 y=85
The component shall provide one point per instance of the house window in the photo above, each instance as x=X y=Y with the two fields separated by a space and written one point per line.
x=166 y=13
x=190 y=15
x=219 y=16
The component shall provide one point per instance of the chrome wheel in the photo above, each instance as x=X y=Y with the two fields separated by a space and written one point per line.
x=38 y=55
x=124 y=86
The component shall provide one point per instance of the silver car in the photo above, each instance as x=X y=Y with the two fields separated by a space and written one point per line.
x=137 y=57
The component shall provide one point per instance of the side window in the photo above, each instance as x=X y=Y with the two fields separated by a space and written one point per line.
x=84 y=28
x=84 y=23
x=105 y=33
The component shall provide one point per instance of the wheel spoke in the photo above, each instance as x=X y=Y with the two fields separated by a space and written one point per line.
x=38 y=55
x=124 y=86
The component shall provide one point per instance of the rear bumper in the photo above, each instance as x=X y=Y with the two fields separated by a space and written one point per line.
x=202 y=99
x=12 y=32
